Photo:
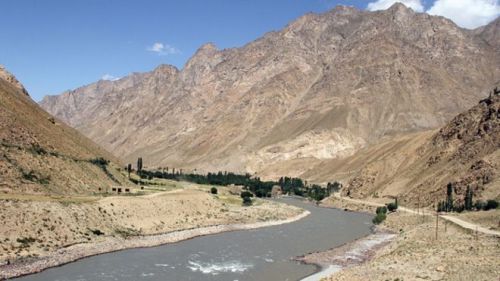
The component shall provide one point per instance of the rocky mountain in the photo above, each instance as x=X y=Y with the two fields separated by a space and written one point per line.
x=417 y=167
x=7 y=76
x=319 y=90
x=41 y=155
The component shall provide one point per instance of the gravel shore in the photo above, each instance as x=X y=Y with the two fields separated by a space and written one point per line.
x=347 y=255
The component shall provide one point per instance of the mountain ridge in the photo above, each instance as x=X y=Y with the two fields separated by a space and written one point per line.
x=345 y=77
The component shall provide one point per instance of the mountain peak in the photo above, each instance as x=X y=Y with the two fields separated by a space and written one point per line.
x=11 y=79
x=399 y=7
x=208 y=47
x=322 y=87
x=165 y=68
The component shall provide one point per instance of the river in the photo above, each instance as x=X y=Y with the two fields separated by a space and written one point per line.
x=260 y=254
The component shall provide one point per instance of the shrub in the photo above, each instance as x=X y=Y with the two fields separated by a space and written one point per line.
x=213 y=190
x=490 y=205
x=246 y=194
x=392 y=207
x=379 y=218
x=260 y=193
x=247 y=201
x=99 y=161
x=97 y=232
x=37 y=149
x=26 y=241
x=36 y=177
x=381 y=210
x=479 y=205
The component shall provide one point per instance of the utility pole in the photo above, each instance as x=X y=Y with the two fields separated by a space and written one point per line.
x=418 y=206
x=437 y=223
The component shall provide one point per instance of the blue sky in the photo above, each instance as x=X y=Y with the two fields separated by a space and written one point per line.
x=55 y=45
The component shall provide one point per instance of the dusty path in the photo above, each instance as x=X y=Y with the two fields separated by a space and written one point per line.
x=452 y=219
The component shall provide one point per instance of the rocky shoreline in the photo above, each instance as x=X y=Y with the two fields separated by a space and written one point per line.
x=113 y=244
x=347 y=255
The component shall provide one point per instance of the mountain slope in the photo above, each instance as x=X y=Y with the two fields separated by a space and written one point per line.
x=418 y=167
x=322 y=88
x=39 y=154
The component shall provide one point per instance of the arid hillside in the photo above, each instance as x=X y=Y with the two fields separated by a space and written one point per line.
x=40 y=154
x=322 y=88
x=417 y=167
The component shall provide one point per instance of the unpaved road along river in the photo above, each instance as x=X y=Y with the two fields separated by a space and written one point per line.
x=260 y=254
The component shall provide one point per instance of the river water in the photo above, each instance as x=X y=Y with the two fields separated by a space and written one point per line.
x=260 y=254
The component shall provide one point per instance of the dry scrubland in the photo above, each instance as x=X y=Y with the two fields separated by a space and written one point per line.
x=415 y=254
x=36 y=226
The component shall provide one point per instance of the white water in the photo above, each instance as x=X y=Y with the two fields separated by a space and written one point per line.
x=216 y=268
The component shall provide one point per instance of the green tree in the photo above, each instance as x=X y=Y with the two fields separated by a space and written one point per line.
x=381 y=210
x=139 y=164
x=468 y=199
x=246 y=194
x=449 y=197
x=247 y=201
x=392 y=207
x=213 y=190
x=379 y=218
x=129 y=169
x=490 y=205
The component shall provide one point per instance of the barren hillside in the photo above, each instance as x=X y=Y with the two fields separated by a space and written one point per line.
x=40 y=154
x=322 y=88
x=417 y=167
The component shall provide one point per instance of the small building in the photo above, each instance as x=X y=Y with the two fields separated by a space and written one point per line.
x=276 y=191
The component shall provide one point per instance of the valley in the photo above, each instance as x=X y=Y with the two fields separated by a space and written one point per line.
x=349 y=144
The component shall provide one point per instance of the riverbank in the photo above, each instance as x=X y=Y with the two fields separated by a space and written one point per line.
x=416 y=254
x=43 y=231
x=348 y=255
x=112 y=244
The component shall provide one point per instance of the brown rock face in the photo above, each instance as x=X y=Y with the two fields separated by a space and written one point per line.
x=322 y=88
x=9 y=78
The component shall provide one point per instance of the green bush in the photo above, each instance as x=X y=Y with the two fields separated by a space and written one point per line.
x=381 y=210
x=99 y=161
x=213 y=190
x=97 y=232
x=490 y=205
x=392 y=207
x=379 y=218
x=246 y=194
x=26 y=241
x=247 y=201
x=479 y=205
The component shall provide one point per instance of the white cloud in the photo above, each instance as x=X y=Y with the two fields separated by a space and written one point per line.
x=467 y=13
x=163 y=49
x=415 y=5
x=109 y=77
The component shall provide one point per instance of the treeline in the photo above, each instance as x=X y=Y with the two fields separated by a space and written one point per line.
x=289 y=185
x=450 y=205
